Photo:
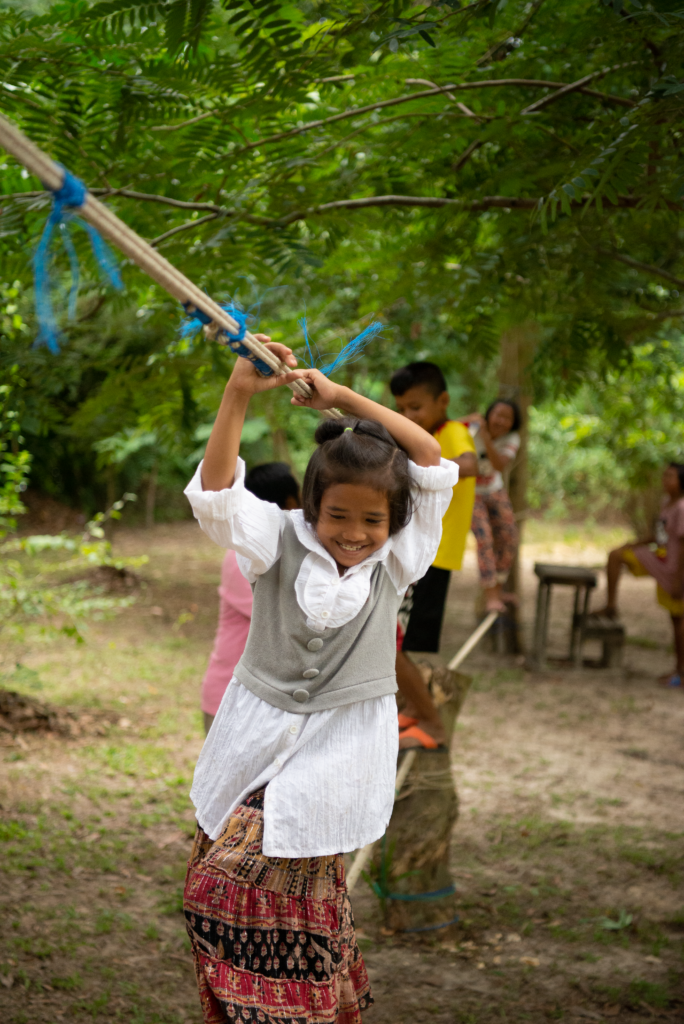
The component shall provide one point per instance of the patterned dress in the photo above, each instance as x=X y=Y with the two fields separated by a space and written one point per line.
x=272 y=938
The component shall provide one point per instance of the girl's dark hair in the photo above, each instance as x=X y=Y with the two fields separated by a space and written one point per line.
x=517 y=417
x=352 y=451
x=680 y=473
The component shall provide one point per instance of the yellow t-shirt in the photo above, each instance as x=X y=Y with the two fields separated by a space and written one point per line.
x=454 y=439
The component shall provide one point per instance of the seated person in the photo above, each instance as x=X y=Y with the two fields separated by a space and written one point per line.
x=273 y=482
x=662 y=557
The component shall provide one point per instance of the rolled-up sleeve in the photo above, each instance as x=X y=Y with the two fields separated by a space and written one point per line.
x=413 y=549
x=235 y=518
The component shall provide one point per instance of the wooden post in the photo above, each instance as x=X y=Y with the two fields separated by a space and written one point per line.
x=413 y=858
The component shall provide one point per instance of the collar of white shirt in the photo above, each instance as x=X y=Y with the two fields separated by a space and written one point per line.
x=306 y=535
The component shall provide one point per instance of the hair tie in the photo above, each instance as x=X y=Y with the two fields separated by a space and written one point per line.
x=348 y=428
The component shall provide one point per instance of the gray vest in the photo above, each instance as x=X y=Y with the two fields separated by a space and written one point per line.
x=299 y=669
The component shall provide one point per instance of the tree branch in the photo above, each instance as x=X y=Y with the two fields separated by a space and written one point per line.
x=434 y=202
x=466 y=155
x=184 y=227
x=531 y=83
x=648 y=268
x=573 y=87
x=467 y=205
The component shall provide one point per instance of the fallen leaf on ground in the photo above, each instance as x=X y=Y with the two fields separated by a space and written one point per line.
x=653 y=960
x=7 y=980
x=124 y=723
x=611 y=1011
x=529 y=961
x=513 y=937
x=582 y=1011
x=480 y=966
x=93 y=837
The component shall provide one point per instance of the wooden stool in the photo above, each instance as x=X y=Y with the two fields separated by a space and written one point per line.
x=612 y=638
x=583 y=580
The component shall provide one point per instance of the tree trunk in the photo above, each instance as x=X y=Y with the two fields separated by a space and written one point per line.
x=413 y=857
x=111 y=498
x=517 y=349
x=151 y=497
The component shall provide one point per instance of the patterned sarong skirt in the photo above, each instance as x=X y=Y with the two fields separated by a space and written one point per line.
x=272 y=938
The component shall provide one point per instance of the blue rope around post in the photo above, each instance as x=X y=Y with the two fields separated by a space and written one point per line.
x=381 y=892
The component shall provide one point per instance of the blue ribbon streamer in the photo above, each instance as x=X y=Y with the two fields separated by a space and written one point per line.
x=72 y=194
x=351 y=351
x=199 y=318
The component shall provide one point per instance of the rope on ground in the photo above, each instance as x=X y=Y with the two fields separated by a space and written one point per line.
x=142 y=253
x=364 y=855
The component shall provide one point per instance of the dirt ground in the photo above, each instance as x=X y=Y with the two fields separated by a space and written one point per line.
x=567 y=853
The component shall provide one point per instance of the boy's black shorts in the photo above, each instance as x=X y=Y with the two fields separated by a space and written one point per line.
x=422 y=611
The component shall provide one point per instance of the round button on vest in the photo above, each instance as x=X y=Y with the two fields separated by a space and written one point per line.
x=301 y=696
x=315 y=644
x=310 y=673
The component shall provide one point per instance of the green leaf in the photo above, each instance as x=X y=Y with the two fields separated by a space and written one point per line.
x=427 y=38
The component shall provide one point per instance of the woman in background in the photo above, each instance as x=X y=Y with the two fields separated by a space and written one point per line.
x=497 y=440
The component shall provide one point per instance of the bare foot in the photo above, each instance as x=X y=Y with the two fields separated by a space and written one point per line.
x=494 y=604
x=434 y=731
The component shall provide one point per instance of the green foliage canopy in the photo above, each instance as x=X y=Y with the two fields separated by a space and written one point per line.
x=457 y=167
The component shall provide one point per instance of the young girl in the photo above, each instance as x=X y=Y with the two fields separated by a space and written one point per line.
x=497 y=441
x=300 y=763
x=661 y=556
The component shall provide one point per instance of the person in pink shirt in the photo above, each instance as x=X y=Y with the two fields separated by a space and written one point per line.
x=273 y=482
x=661 y=556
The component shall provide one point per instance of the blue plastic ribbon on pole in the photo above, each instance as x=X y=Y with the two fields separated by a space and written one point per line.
x=71 y=195
x=351 y=351
x=198 y=319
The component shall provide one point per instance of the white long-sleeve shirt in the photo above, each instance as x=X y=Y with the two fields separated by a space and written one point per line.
x=330 y=774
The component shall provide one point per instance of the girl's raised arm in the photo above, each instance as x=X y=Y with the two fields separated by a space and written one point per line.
x=422 y=448
x=223 y=447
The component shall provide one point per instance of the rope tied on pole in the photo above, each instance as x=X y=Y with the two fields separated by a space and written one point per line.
x=198 y=319
x=71 y=195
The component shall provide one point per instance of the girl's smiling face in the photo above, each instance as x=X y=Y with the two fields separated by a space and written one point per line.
x=353 y=522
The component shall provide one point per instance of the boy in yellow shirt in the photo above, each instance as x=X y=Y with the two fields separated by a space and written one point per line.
x=420 y=393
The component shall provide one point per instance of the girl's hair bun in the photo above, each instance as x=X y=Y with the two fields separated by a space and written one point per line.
x=330 y=430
